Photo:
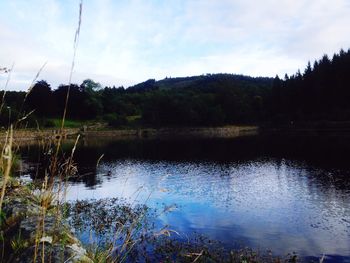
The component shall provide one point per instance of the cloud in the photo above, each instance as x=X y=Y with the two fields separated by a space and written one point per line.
x=128 y=41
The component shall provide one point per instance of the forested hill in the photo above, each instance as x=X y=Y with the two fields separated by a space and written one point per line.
x=320 y=92
x=212 y=99
x=203 y=82
x=207 y=100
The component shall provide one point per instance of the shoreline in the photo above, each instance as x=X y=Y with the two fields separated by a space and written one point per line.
x=25 y=136
x=176 y=133
x=31 y=135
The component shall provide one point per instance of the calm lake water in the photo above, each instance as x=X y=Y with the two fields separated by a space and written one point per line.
x=279 y=193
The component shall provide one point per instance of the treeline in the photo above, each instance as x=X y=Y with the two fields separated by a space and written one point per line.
x=321 y=92
x=195 y=101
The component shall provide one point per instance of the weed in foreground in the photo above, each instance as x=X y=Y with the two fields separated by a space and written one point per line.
x=48 y=198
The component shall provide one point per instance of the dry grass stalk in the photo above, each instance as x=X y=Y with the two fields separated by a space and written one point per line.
x=75 y=47
x=6 y=158
x=9 y=71
x=33 y=82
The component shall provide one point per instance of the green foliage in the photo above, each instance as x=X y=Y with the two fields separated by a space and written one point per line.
x=99 y=254
x=319 y=93
x=202 y=100
x=89 y=85
x=2 y=218
x=64 y=239
x=115 y=120
x=68 y=123
x=18 y=243
x=49 y=123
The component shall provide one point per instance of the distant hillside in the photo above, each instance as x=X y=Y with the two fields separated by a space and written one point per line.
x=206 y=100
x=203 y=82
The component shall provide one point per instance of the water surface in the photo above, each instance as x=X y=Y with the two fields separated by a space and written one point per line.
x=292 y=195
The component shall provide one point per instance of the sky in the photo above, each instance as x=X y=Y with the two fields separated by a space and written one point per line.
x=123 y=42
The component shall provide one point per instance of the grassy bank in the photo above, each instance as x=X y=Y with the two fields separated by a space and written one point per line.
x=36 y=135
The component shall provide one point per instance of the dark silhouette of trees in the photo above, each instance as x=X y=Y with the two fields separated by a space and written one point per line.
x=76 y=99
x=40 y=100
x=319 y=92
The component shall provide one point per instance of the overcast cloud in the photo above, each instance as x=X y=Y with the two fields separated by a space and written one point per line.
x=128 y=41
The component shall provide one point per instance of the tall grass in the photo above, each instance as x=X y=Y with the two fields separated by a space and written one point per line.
x=9 y=71
x=51 y=195
x=6 y=163
x=58 y=169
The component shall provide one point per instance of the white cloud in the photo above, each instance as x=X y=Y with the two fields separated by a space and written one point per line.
x=124 y=42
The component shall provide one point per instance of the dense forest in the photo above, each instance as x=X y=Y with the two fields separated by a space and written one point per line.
x=321 y=92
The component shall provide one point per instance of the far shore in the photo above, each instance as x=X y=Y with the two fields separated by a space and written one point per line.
x=30 y=135
x=23 y=136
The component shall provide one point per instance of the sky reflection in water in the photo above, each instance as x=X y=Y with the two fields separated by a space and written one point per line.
x=265 y=203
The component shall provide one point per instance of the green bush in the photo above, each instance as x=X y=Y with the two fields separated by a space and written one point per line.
x=115 y=120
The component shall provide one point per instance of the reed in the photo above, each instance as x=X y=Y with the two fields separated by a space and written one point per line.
x=50 y=197
x=59 y=169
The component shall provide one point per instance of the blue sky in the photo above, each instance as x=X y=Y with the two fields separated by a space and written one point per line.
x=123 y=42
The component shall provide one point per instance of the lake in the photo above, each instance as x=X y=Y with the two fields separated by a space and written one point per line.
x=286 y=194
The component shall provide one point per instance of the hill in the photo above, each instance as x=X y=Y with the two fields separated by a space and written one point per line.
x=320 y=93
x=202 y=82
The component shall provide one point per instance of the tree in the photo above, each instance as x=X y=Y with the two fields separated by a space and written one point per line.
x=40 y=99
x=92 y=98
x=89 y=85
x=75 y=107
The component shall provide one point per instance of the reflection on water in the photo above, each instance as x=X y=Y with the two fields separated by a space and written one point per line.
x=241 y=193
